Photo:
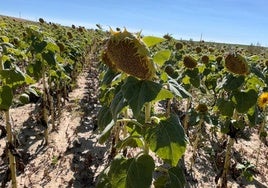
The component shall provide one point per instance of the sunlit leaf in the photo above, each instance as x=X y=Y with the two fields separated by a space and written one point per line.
x=161 y=57
x=164 y=94
x=151 y=40
x=4 y=39
x=13 y=77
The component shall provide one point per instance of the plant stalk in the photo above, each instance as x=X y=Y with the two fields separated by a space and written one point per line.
x=197 y=139
x=227 y=162
x=148 y=107
x=148 y=112
x=52 y=109
x=12 y=160
x=261 y=136
x=186 y=119
x=168 y=111
x=58 y=102
x=45 y=113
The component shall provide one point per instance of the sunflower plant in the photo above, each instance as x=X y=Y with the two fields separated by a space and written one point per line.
x=130 y=88
x=237 y=104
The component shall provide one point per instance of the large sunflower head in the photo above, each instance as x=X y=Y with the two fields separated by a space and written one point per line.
x=263 y=100
x=127 y=52
x=236 y=64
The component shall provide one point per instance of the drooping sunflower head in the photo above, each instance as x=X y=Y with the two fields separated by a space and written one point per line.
x=189 y=62
x=105 y=59
x=169 y=70
x=210 y=49
x=205 y=59
x=263 y=100
x=126 y=52
x=236 y=64
x=201 y=108
x=178 y=46
x=219 y=59
x=266 y=62
x=198 y=49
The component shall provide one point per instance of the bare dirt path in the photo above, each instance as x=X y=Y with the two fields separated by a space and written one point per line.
x=73 y=157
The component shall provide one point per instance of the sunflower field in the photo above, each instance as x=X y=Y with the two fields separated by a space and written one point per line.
x=166 y=105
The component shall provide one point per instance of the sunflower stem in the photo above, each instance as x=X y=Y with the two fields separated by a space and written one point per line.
x=45 y=112
x=186 y=119
x=227 y=162
x=12 y=160
x=198 y=137
x=261 y=134
x=148 y=112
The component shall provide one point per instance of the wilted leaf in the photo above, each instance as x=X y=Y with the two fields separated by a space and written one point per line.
x=177 y=89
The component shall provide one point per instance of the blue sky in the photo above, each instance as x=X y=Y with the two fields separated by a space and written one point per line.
x=230 y=21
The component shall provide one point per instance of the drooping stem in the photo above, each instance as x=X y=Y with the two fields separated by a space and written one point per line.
x=12 y=161
x=197 y=139
x=227 y=162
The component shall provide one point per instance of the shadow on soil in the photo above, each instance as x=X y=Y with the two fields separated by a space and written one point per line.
x=87 y=155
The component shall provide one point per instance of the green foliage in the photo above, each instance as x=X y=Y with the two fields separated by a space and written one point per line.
x=138 y=92
x=244 y=100
x=161 y=57
x=129 y=173
x=151 y=40
x=167 y=140
x=6 y=97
